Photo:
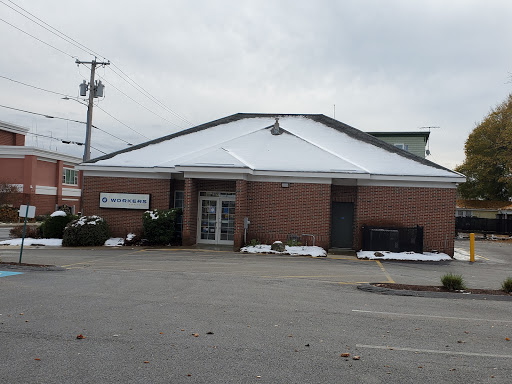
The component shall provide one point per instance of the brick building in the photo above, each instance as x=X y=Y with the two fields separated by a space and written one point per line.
x=287 y=174
x=45 y=178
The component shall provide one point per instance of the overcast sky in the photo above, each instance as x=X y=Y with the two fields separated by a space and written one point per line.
x=386 y=65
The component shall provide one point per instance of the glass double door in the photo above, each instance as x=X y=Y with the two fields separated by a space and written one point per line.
x=216 y=220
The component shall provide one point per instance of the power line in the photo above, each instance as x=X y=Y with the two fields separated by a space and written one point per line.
x=21 y=30
x=84 y=48
x=33 y=86
x=52 y=29
x=119 y=121
x=135 y=101
x=63 y=118
x=42 y=26
x=148 y=95
x=42 y=114
x=64 y=141
x=73 y=98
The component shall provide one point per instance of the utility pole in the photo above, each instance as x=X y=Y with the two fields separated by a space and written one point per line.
x=94 y=91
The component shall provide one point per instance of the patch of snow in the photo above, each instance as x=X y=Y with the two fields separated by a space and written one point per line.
x=411 y=256
x=90 y=220
x=58 y=213
x=153 y=214
x=31 y=241
x=299 y=251
x=114 y=242
x=463 y=255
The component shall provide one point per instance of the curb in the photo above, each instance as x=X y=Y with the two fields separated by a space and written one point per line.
x=440 y=295
x=31 y=267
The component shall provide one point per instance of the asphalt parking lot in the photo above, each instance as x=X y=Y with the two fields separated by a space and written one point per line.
x=258 y=318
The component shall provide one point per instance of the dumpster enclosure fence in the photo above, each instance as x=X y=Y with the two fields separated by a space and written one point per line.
x=501 y=225
x=393 y=239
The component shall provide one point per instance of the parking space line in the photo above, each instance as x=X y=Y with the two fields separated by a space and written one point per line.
x=390 y=280
x=430 y=316
x=441 y=352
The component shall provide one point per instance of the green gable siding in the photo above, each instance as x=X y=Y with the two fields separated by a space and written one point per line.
x=415 y=142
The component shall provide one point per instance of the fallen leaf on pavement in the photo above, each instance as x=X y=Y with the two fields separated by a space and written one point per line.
x=345 y=354
x=356 y=357
x=80 y=336
x=195 y=334
x=209 y=333
x=37 y=358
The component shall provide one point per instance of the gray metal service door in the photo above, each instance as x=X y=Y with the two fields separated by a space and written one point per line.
x=342 y=225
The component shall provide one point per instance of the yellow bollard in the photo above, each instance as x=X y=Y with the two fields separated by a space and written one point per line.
x=472 y=247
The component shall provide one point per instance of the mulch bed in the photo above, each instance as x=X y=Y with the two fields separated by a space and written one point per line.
x=435 y=288
x=31 y=267
x=25 y=264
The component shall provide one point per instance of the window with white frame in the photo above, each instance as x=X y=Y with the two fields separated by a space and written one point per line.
x=70 y=176
x=405 y=147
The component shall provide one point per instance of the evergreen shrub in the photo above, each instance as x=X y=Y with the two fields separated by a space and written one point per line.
x=85 y=232
x=53 y=226
x=159 y=226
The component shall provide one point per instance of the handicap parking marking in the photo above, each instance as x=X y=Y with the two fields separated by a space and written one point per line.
x=5 y=273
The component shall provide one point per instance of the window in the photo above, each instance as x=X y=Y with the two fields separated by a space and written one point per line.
x=70 y=176
x=179 y=197
x=405 y=147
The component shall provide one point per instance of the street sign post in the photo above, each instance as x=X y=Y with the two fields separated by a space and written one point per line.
x=26 y=211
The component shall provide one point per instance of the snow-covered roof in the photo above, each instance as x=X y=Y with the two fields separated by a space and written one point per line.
x=315 y=144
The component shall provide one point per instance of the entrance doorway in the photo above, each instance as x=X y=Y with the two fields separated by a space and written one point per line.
x=216 y=218
x=342 y=225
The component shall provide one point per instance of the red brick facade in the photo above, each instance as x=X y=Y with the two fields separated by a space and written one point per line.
x=276 y=211
x=123 y=221
x=11 y=138
x=431 y=208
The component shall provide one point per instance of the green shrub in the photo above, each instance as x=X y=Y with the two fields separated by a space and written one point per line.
x=293 y=243
x=453 y=282
x=85 y=232
x=254 y=242
x=507 y=285
x=42 y=218
x=53 y=227
x=159 y=226
x=32 y=231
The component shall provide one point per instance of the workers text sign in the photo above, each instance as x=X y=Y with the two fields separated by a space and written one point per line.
x=124 y=200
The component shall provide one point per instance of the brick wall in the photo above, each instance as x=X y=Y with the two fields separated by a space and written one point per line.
x=432 y=208
x=7 y=138
x=123 y=221
x=241 y=211
x=190 y=212
x=275 y=211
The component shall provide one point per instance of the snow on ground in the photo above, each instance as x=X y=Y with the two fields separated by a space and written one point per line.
x=58 y=213
x=411 y=256
x=114 y=242
x=32 y=241
x=463 y=255
x=300 y=251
